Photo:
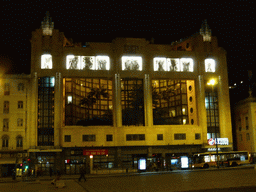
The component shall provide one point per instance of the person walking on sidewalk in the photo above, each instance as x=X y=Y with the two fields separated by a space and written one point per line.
x=82 y=172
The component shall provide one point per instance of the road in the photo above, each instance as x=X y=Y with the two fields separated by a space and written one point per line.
x=192 y=181
x=180 y=181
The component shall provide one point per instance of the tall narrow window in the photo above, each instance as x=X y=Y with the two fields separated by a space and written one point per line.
x=19 y=142
x=20 y=122
x=20 y=104
x=132 y=100
x=6 y=89
x=5 y=141
x=6 y=107
x=246 y=123
x=46 y=111
x=212 y=111
x=5 y=124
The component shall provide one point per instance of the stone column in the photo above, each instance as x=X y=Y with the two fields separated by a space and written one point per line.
x=31 y=132
x=224 y=111
x=117 y=101
x=202 y=117
x=57 y=108
x=148 y=101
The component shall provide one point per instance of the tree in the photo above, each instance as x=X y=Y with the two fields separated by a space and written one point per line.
x=93 y=97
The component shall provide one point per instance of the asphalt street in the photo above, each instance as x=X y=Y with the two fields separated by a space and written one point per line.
x=185 y=180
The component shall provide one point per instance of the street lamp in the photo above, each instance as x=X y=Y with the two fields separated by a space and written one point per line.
x=212 y=82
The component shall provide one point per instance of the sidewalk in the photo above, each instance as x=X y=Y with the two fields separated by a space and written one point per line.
x=75 y=177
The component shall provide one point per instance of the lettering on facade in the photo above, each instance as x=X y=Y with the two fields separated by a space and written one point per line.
x=95 y=152
x=221 y=141
x=131 y=49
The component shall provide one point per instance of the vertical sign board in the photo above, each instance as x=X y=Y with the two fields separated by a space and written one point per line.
x=95 y=152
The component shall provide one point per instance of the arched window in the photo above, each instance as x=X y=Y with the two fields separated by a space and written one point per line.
x=19 y=142
x=5 y=141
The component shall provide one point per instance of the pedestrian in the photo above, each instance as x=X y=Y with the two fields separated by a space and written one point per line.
x=13 y=174
x=82 y=172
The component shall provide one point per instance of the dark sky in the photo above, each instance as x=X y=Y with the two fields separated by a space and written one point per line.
x=232 y=22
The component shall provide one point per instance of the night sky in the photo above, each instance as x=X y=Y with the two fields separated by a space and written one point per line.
x=231 y=22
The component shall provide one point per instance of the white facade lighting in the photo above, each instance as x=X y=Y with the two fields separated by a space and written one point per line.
x=73 y=62
x=173 y=64
x=187 y=64
x=132 y=63
x=46 y=61
x=160 y=64
x=102 y=63
x=88 y=62
x=210 y=65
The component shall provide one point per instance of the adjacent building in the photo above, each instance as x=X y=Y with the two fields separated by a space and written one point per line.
x=127 y=104
x=245 y=116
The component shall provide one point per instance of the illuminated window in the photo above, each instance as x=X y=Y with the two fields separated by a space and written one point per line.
x=46 y=61
x=102 y=63
x=69 y=99
x=132 y=63
x=160 y=64
x=186 y=64
x=132 y=101
x=170 y=102
x=209 y=65
x=88 y=62
x=173 y=64
x=73 y=62
x=88 y=101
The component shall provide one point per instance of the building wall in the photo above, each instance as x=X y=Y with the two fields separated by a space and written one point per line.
x=197 y=50
x=245 y=124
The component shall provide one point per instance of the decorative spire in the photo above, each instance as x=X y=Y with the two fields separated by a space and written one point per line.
x=47 y=25
x=205 y=31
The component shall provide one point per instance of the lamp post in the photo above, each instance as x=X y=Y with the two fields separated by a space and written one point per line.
x=212 y=83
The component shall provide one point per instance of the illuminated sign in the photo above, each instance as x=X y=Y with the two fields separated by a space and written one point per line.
x=95 y=152
x=221 y=141
x=213 y=149
x=142 y=164
x=184 y=162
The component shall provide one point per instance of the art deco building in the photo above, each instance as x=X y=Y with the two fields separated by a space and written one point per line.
x=127 y=102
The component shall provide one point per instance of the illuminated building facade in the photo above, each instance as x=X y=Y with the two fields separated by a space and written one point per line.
x=244 y=115
x=135 y=101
